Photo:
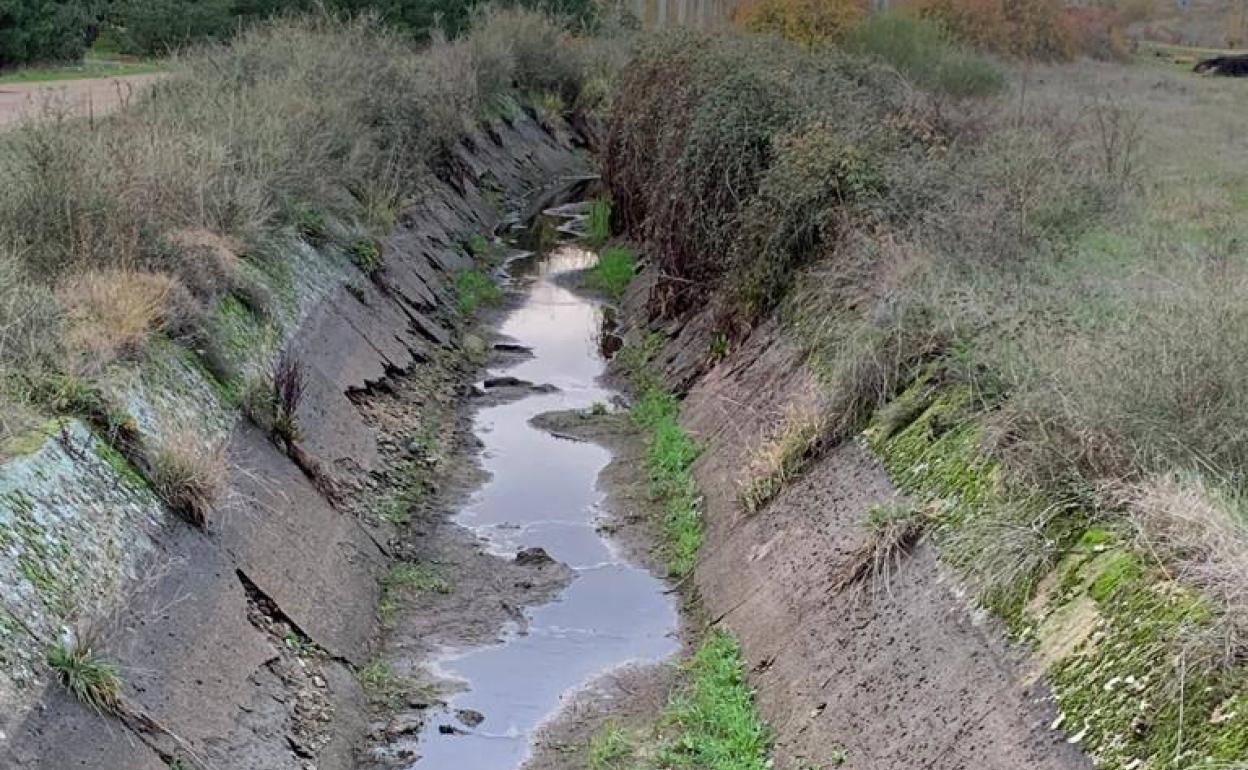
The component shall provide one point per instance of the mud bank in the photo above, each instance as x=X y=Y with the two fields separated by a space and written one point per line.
x=901 y=673
x=239 y=647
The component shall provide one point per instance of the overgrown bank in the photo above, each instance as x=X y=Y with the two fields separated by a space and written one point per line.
x=281 y=232
x=983 y=289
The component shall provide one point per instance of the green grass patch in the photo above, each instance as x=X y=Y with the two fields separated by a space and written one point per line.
x=88 y=68
x=478 y=245
x=718 y=726
x=405 y=578
x=382 y=685
x=928 y=56
x=474 y=289
x=670 y=453
x=614 y=271
x=609 y=748
x=599 y=221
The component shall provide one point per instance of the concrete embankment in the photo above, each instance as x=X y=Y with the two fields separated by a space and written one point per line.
x=897 y=671
x=238 y=645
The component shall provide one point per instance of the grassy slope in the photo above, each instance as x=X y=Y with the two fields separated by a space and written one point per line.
x=1070 y=323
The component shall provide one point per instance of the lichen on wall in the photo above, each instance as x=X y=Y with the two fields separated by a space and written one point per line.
x=75 y=527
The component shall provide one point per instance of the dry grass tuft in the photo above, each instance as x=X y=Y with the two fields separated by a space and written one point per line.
x=189 y=474
x=1200 y=532
x=784 y=456
x=110 y=313
x=893 y=530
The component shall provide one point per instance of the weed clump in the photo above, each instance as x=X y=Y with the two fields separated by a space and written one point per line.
x=613 y=271
x=88 y=675
x=475 y=289
x=189 y=474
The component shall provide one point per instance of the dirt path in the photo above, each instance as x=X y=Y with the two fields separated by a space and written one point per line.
x=80 y=97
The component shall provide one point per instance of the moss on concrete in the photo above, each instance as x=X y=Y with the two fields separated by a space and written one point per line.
x=1119 y=642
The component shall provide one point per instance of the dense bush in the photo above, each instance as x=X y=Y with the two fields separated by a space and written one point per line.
x=694 y=135
x=46 y=30
x=1033 y=29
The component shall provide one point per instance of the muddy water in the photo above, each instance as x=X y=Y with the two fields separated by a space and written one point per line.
x=542 y=492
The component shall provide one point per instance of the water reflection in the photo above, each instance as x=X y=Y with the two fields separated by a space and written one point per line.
x=543 y=492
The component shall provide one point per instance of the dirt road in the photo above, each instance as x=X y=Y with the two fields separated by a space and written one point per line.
x=81 y=97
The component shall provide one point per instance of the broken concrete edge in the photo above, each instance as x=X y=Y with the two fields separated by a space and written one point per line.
x=190 y=616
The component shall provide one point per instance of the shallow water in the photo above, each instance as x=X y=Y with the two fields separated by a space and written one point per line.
x=543 y=492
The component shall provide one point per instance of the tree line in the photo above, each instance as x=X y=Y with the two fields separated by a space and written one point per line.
x=62 y=30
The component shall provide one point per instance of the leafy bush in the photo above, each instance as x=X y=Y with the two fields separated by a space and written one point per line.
x=922 y=51
x=696 y=126
x=803 y=21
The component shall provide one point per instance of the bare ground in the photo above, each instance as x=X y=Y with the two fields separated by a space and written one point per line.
x=94 y=96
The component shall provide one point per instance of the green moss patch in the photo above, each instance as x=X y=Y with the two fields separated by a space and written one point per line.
x=1130 y=654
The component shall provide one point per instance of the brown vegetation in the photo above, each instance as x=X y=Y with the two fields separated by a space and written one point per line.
x=188 y=472
x=141 y=223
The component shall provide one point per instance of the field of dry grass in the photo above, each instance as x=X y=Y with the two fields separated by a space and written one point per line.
x=118 y=229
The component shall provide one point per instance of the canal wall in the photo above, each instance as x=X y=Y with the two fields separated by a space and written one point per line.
x=891 y=672
x=238 y=646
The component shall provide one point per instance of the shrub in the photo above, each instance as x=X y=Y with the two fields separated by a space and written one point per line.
x=922 y=51
x=804 y=21
x=1099 y=33
x=527 y=49
x=695 y=129
x=156 y=27
x=819 y=177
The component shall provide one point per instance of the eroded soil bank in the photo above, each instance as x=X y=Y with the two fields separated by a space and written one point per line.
x=535 y=541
